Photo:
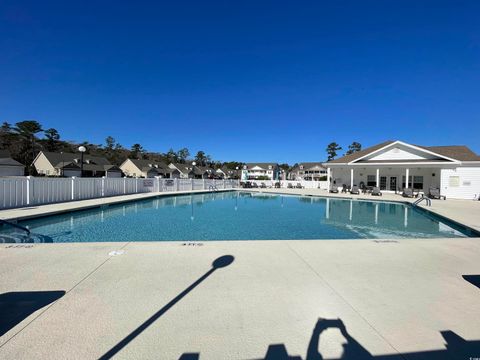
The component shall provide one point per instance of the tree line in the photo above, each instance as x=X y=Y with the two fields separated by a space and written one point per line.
x=25 y=139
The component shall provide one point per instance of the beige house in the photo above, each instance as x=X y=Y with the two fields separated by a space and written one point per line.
x=9 y=166
x=308 y=171
x=148 y=169
x=395 y=165
x=68 y=164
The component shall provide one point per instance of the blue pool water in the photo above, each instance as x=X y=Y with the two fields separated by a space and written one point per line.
x=238 y=216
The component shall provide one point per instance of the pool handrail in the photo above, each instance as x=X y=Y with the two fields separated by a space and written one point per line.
x=15 y=225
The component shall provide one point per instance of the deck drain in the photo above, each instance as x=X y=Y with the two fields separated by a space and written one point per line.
x=116 y=252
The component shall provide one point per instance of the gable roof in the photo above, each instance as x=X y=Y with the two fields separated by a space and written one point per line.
x=261 y=165
x=455 y=152
x=90 y=163
x=359 y=154
x=308 y=165
x=6 y=159
x=150 y=165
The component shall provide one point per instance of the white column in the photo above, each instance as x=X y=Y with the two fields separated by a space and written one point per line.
x=351 y=178
x=28 y=189
x=328 y=178
x=407 y=173
x=73 y=187
x=377 y=180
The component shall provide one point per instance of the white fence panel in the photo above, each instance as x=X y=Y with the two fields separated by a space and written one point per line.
x=25 y=191
x=50 y=190
x=13 y=192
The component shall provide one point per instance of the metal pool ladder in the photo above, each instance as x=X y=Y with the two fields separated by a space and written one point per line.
x=212 y=188
x=5 y=222
x=428 y=202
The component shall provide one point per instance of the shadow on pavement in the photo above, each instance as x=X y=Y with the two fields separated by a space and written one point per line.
x=220 y=262
x=456 y=347
x=16 y=306
x=473 y=279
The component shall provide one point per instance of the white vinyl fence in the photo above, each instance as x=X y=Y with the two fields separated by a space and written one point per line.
x=292 y=183
x=30 y=191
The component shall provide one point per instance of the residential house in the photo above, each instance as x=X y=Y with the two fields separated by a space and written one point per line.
x=252 y=171
x=9 y=166
x=308 y=171
x=226 y=173
x=68 y=164
x=189 y=171
x=148 y=169
x=394 y=165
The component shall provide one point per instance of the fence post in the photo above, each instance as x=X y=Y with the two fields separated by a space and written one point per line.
x=124 y=185
x=28 y=190
x=177 y=183
x=136 y=185
x=193 y=180
x=204 y=184
x=224 y=184
x=73 y=187
x=103 y=186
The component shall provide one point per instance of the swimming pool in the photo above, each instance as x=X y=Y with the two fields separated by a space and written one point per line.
x=237 y=216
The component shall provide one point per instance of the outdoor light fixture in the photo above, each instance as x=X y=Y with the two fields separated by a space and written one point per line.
x=82 y=149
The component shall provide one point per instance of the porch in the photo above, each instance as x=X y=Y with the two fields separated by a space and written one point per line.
x=388 y=179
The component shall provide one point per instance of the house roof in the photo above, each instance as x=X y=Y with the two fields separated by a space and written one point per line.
x=457 y=152
x=261 y=165
x=148 y=165
x=359 y=154
x=6 y=159
x=90 y=163
x=308 y=165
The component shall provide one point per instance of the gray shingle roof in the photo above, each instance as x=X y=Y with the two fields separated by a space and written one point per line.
x=457 y=152
x=6 y=159
x=90 y=163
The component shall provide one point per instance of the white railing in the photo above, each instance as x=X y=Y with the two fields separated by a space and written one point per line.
x=304 y=184
x=31 y=191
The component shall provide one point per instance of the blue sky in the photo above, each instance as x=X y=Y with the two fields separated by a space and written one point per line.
x=244 y=80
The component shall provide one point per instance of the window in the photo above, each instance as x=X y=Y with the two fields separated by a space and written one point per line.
x=415 y=182
x=418 y=182
x=371 y=180
x=454 y=181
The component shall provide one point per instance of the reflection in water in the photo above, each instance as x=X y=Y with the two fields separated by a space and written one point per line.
x=217 y=216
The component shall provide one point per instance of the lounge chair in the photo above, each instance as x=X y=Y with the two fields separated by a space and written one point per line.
x=289 y=186
x=434 y=193
x=263 y=185
x=254 y=185
x=333 y=188
x=299 y=186
x=277 y=185
x=407 y=192
x=376 y=191
x=355 y=190
x=344 y=188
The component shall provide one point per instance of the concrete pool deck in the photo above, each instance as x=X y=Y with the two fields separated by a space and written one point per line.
x=405 y=297
x=400 y=299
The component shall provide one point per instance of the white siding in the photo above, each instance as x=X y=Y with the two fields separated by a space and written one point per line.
x=468 y=182
x=399 y=154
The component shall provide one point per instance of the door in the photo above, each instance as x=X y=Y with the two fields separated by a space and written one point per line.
x=383 y=183
x=393 y=183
